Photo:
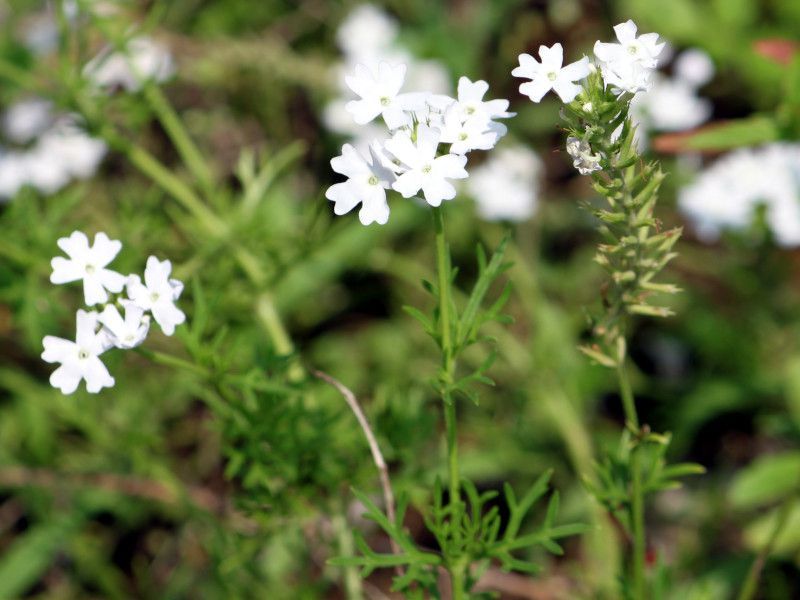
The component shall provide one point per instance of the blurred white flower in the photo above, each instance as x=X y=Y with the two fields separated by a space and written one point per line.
x=27 y=119
x=143 y=59
x=583 y=159
x=423 y=170
x=367 y=182
x=59 y=150
x=550 y=75
x=672 y=104
x=506 y=186
x=725 y=195
x=79 y=359
x=66 y=143
x=694 y=66
x=158 y=294
x=88 y=263
x=127 y=332
x=13 y=173
x=366 y=32
x=669 y=105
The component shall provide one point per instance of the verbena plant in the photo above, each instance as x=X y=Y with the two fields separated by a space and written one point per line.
x=266 y=402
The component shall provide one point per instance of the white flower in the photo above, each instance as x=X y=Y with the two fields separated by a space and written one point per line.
x=626 y=66
x=380 y=95
x=632 y=50
x=143 y=59
x=367 y=182
x=473 y=134
x=726 y=194
x=13 y=173
x=581 y=152
x=424 y=170
x=67 y=147
x=470 y=102
x=506 y=186
x=79 y=359
x=25 y=120
x=670 y=105
x=88 y=263
x=124 y=333
x=158 y=294
x=549 y=74
x=367 y=31
x=627 y=77
x=694 y=66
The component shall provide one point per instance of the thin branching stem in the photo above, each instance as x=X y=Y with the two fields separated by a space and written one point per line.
x=374 y=448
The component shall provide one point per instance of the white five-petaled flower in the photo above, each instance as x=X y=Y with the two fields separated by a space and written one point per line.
x=88 y=263
x=126 y=332
x=471 y=104
x=583 y=159
x=380 y=95
x=642 y=50
x=627 y=66
x=550 y=75
x=79 y=359
x=158 y=294
x=473 y=134
x=367 y=182
x=423 y=169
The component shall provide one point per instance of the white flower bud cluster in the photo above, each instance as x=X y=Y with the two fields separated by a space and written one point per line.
x=100 y=330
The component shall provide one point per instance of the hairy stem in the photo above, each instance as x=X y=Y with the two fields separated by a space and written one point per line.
x=637 y=493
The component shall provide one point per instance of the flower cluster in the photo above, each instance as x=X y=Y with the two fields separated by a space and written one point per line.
x=726 y=194
x=101 y=330
x=142 y=59
x=44 y=150
x=368 y=36
x=430 y=137
x=626 y=65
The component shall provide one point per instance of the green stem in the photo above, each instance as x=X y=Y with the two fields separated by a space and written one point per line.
x=176 y=131
x=444 y=272
x=344 y=538
x=750 y=585
x=269 y=318
x=637 y=492
x=172 y=361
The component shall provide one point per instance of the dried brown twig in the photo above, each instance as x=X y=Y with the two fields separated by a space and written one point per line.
x=377 y=457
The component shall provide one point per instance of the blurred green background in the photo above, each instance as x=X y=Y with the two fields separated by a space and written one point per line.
x=171 y=486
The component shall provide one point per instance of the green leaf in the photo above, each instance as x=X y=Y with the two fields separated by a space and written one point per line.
x=765 y=480
x=31 y=554
x=750 y=131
